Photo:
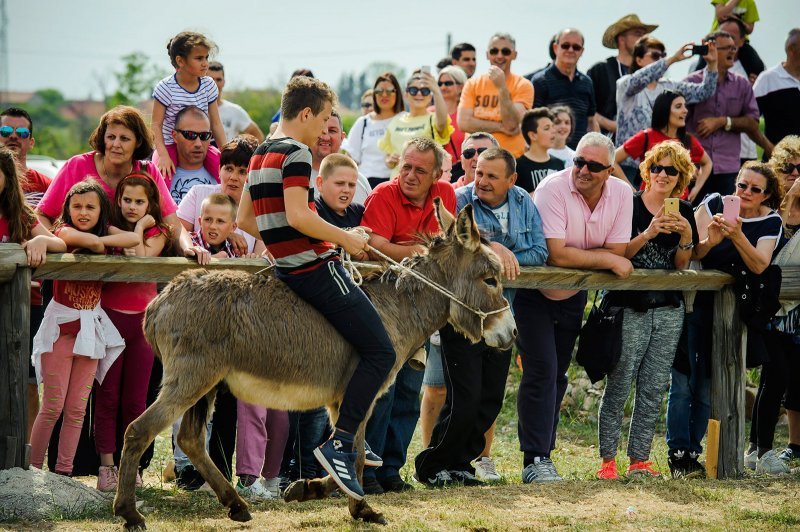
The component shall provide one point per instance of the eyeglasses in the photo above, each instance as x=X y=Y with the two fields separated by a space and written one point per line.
x=655 y=56
x=732 y=48
x=575 y=47
x=669 y=170
x=193 y=135
x=381 y=92
x=366 y=105
x=469 y=153
x=446 y=83
x=22 y=132
x=753 y=189
x=505 y=51
x=413 y=91
x=786 y=168
x=593 y=166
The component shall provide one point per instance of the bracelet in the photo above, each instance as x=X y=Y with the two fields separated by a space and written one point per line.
x=686 y=247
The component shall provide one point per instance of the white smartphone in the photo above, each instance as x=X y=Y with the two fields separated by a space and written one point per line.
x=425 y=68
x=730 y=208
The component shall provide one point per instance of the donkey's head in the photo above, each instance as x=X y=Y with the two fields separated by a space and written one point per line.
x=472 y=273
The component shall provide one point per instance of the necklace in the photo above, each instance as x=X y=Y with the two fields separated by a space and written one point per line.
x=104 y=174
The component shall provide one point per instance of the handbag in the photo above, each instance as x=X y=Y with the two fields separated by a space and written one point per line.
x=600 y=340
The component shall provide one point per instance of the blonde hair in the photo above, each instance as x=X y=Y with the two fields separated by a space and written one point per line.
x=786 y=150
x=219 y=198
x=681 y=160
x=336 y=160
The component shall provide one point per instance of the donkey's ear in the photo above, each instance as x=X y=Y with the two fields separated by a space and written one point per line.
x=466 y=230
x=443 y=215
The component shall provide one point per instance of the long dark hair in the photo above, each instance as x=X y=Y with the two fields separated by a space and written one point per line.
x=144 y=180
x=661 y=111
x=84 y=187
x=18 y=214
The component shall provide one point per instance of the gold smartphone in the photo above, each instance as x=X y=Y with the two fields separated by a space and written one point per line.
x=671 y=206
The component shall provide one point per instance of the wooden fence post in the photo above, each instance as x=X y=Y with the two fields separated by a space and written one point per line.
x=728 y=383
x=15 y=296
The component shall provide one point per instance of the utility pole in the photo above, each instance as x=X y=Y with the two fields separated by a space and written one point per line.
x=449 y=42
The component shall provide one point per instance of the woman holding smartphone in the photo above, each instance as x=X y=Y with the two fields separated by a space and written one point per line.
x=662 y=237
x=729 y=243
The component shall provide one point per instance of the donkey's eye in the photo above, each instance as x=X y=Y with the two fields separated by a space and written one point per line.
x=491 y=281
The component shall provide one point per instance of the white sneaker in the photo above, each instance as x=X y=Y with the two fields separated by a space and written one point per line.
x=273 y=486
x=207 y=489
x=771 y=464
x=254 y=492
x=485 y=470
x=750 y=459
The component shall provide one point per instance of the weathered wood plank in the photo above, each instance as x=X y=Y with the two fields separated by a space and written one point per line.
x=727 y=384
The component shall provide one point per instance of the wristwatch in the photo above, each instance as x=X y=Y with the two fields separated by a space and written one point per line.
x=728 y=123
x=687 y=246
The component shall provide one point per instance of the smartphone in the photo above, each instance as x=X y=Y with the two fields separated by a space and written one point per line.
x=671 y=206
x=427 y=68
x=730 y=208
x=700 y=49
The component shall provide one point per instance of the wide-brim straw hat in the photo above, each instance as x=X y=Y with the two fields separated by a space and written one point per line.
x=628 y=22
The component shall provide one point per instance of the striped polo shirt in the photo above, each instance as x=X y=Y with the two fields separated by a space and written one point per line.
x=277 y=165
x=173 y=97
x=551 y=87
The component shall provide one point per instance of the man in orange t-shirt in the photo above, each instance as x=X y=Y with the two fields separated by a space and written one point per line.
x=494 y=102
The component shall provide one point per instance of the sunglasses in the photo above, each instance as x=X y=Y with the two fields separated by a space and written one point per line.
x=593 y=166
x=366 y=105
x=413 y=91
x=446 y=83
x=505 y=51
x=786 y=168
x=567 y=46
x=753 y=189
x=22 y=132
x=193 y=135
x=469 y=153
x=381 y=92
x=655 y=56
x=669 y=170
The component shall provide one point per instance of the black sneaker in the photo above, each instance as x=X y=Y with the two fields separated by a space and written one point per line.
x=696 y=469
x=372 y=486
x=684 y=464
x=442 y=479
x=370 y=458
x=465 y=477
x=341 y=466
x=189 y=478
x=395 y=484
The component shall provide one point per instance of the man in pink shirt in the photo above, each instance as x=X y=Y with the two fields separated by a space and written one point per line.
x=586 y=215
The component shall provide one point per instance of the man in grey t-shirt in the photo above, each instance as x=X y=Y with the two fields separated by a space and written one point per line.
x=192 y=136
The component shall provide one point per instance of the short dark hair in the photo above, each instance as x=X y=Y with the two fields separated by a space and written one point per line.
x=500 y=153
x=644 y=43
x=443 y=62
x=302 y=92
x=131 y=118
x=238 y=151
x=530 y=120
x=739 y=24
x=216 y=66
x=398 y=102
x=714 y=35
x=459 y=49
x=302 y=72
x=16 y=112
x=191 y=110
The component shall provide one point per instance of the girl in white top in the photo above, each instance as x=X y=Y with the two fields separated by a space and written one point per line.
x=563 y=125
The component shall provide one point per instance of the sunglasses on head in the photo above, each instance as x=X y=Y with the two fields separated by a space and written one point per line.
x=655 y=55
x=575 y=47
x=786 y=168
x=669 y=170
x=193 y=135
x=366 y=105
x=413 y=91
x=505 y=51
x=469 y=153
x=381 y=92
x=593 y=166
x=446 y=83
x=753 y=189
x=22 y=132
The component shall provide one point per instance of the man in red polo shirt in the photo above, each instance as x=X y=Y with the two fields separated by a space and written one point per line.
x=397 y=211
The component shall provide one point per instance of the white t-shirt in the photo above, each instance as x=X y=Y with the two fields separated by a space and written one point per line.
x=748 y=150
x=501 y=213
x=566 y=154
x=189 y=210
x=234 y=118
x=362 y=187
x=362 y=145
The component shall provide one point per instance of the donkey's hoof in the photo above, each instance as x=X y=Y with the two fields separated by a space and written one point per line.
x=362 y=510
x=239 y=513
x=135 y=524
x=295 y=491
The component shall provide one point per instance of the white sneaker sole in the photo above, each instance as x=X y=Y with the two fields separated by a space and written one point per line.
x=334 y=475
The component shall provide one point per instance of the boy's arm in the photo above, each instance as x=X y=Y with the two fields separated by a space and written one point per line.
x=216 y=124
x=303 y=219
x=165 y=165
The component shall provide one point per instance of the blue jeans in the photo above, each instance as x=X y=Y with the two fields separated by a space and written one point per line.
x=689 y=400
x=307 y=430
x=392 y=423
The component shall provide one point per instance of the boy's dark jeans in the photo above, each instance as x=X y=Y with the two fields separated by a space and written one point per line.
x=330 y=290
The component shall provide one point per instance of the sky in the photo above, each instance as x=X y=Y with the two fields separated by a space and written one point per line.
x=76 y=46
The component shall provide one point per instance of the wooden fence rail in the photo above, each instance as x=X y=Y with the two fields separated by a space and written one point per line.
x=728 y=376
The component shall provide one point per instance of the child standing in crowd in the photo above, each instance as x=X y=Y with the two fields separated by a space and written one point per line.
x=189 y=86
x=76 y=340
x=563 y=128
x=536 y=164
x=122 y=395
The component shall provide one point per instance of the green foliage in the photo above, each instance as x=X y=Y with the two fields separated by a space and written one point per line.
x=136 y=80
x=261 y=105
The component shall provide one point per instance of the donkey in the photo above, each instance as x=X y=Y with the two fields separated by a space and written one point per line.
x=270 y=348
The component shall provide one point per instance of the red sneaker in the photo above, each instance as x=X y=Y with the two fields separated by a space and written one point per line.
x=642 y=470
x=608 y=471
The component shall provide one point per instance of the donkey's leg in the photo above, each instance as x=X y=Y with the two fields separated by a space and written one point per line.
x=361 y=509
x=170 y=404
x=192 y=439
x=309 y=490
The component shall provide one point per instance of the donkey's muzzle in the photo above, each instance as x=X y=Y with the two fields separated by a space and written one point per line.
x=502 y=332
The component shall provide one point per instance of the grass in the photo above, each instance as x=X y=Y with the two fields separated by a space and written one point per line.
x=580 y=503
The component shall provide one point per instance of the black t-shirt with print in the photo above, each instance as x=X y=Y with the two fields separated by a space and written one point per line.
x=351 y=218
x=530 y=173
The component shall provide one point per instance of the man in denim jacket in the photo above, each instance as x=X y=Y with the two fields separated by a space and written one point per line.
x=476 y=373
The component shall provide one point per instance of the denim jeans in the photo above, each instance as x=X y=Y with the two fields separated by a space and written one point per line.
x=392 y=423
x=689 y=400
x=307 y=430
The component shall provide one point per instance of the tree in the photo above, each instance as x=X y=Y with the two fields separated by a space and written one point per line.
x=136 y=80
